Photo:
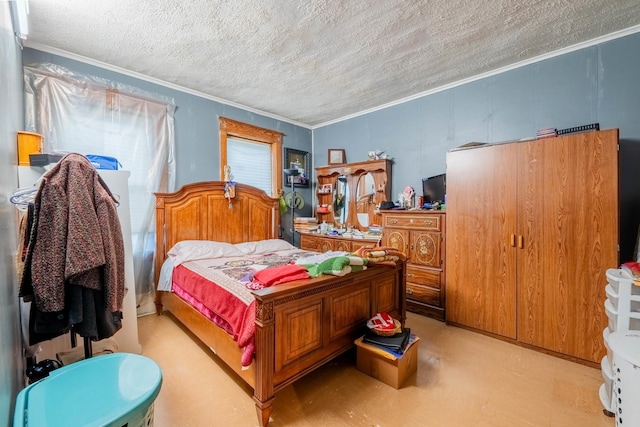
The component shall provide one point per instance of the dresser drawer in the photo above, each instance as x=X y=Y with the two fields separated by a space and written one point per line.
x=310 y=243
x=342 y=245
x=357 y=244
x=422 y=222
x=423 y=294
x=423 y=276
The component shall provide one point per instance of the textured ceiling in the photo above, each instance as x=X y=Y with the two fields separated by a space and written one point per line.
x=316 y=61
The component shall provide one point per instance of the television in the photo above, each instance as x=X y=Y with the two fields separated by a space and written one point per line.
x=434 y=188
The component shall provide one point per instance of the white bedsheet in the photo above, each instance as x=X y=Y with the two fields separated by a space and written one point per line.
x=166 y=272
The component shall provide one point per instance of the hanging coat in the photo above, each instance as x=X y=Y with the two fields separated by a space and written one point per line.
x=74 y=265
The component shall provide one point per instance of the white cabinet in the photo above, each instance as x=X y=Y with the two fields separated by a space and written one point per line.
x=127 y=336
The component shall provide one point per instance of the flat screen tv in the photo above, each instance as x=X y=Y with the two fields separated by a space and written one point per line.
x=434 y=188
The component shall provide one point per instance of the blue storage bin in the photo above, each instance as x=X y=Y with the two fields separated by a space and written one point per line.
x=111 y=390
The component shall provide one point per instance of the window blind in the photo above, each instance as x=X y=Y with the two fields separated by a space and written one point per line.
x=250 y=162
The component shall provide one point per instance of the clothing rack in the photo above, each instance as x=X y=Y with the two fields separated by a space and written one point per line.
x=88 y=347
x=90 y=321
x=23 y=196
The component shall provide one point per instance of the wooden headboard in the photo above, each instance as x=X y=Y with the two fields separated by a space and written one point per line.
x=199 y=211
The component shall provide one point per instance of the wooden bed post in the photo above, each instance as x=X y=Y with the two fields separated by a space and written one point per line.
x=160 y=249
x=263 y=393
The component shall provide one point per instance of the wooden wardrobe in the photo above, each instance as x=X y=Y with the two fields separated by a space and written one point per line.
x=532 y=228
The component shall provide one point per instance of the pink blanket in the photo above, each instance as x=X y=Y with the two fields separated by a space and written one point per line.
x=224 y=302
x=220 y=286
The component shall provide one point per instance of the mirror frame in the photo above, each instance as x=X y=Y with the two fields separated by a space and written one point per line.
x=381 y=173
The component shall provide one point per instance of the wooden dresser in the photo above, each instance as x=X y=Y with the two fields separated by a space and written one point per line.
x=420 y=235
x=322 y=243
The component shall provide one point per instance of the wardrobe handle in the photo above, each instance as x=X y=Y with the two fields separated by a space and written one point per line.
x=521 y=242
x=512 y=240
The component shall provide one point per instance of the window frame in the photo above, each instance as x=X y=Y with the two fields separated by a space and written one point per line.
x=236 y=129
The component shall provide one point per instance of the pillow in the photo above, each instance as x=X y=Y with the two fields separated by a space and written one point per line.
x=191 y=250
x=264 y=246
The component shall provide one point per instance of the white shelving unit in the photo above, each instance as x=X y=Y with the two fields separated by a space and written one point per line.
x=626 y=377
x=623 y=311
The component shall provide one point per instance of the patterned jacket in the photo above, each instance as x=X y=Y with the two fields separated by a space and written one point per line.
x=75 y=239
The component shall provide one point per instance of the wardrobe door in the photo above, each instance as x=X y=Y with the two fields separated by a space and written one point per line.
x=480 y=245
x=568 y=222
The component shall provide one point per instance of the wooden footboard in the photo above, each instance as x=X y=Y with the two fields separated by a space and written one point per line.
x=300 y=326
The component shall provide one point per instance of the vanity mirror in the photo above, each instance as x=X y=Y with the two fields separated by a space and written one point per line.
x=365 y=196
x=360 y=187
x=341 y=200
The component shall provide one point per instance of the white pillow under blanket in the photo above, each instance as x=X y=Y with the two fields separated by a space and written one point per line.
x=191 y=250
x=264 y=246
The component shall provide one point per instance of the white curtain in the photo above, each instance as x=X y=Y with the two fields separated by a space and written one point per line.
x=90 y=115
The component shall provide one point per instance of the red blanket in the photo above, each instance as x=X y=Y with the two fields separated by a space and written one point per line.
x=276 y=275
x=222 y=285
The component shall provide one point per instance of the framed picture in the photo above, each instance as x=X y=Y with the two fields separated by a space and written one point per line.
x=337 y=156
x=296 y=159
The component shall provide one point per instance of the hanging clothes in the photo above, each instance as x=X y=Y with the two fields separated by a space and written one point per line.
x=74 y=263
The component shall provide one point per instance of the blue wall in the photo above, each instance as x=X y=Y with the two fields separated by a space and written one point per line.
x=596 y=84
x=11 y=121
x=600 y=84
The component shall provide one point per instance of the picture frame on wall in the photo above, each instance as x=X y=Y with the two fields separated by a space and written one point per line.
x=297 y=159
x=337 y=156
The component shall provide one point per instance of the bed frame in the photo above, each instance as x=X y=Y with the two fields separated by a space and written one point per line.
x=299 y=325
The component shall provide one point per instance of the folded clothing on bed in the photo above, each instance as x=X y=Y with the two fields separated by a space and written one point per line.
x=338 y=266
x=277 y=275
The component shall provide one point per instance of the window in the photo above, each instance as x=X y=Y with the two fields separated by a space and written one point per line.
x=250 y=162
x=90 y=115
x=254 y=154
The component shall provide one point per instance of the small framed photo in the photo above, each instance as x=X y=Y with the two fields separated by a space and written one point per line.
x=296 y=159
x=337 y=156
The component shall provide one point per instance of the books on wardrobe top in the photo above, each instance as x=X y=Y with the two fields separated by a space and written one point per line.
x=576 y=129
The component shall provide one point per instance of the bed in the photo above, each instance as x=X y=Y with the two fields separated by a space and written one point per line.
x=299 y=325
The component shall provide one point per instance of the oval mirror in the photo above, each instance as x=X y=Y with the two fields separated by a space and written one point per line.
x=341 y=200
x=365 y=204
